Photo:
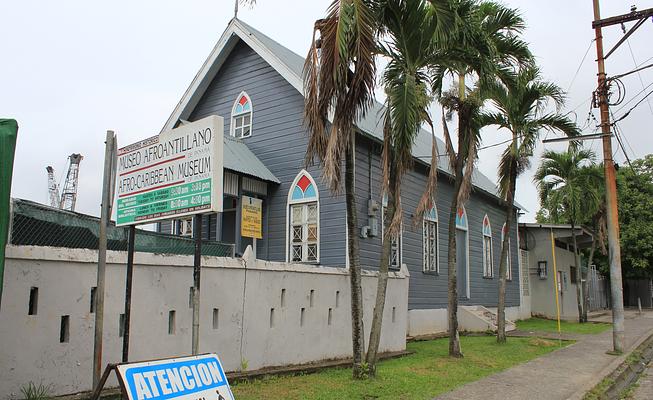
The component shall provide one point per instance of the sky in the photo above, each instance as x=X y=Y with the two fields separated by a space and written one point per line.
x=71 y=70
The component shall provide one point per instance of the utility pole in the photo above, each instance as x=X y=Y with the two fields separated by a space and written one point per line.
x=105 y=216
x=608 y=163
x=614 y=249
x=197 y=271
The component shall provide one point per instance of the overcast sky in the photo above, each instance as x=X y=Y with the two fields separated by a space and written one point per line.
x=70 y=70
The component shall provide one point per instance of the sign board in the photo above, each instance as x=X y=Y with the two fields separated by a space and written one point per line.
x=184 y=378
x=176 y=173
x=251 y=221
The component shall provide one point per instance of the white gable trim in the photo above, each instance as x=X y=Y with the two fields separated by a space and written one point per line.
x=235 y=30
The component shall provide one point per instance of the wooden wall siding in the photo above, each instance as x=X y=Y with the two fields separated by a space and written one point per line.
x=279 y=140
x=429 y=290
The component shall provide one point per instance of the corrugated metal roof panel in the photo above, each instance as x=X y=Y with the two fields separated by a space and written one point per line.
x=239 y=158
x=372 y=124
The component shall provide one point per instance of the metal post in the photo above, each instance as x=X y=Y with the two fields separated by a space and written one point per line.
x=614 y=249
x=197 y=270
x=555 y=283
x=128 y=292
x=105 y=214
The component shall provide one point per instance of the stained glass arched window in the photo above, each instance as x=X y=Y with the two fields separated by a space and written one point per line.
x=504 y=231
x=241 y=117
x=303 y=219
x=461 y=218
x=430 y=262
x=488 y=267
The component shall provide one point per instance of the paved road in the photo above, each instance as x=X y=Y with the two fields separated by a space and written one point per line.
x=644 y=390
x=563 y=374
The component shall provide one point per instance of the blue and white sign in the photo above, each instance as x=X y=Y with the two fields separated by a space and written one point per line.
x=186 y=378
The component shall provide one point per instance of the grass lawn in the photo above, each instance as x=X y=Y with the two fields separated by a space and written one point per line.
x=422 y=375
x=546 y=325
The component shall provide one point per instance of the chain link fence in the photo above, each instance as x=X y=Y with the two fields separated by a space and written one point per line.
x=35 y=224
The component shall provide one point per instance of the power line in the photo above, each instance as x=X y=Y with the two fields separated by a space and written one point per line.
x=622 y=138
x=634 y=97
x=632 y=72
x=580 y=65
x=638 y=72
x=633 y=107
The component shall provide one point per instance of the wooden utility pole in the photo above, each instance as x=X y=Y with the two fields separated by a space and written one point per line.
x=128 y=292
x=105 y=216
x=614 y=249
x=197 y=271
x=608 y=164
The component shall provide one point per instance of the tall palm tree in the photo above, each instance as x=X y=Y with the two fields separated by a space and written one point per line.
x=339 y=77
x=520 y=104
x=485 y=46
x=410 y=29
x=569 y=186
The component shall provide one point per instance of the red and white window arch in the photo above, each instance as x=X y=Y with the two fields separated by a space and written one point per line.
x=241 y=116
x=488 y=264
x=303 y=220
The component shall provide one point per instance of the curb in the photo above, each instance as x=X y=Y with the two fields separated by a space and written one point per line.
x=611 y=368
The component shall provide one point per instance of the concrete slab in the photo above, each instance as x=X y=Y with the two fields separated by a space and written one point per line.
x=644 y=389
x=567 y=373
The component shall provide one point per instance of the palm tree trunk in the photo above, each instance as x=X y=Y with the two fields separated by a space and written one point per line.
x=452 y=267
x=357 y=333
x=579 y=297
x=382 y=282
x=452 y=292
x=503 y=262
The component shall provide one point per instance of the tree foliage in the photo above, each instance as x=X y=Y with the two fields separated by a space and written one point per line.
x=635 y=193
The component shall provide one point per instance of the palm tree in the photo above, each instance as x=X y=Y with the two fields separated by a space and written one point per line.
x=339 y=76
x=484 y=46
x=520 y=104
x=411 y=28
x=570 y=188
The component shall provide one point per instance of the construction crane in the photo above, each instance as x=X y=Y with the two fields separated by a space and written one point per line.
x=69 y=193
x=53 y=188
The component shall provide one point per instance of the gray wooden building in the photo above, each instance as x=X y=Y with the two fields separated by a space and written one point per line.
x=256 y=85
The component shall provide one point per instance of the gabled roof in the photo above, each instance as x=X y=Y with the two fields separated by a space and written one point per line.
x=290 y=66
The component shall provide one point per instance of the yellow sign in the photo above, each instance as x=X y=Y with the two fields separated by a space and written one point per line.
x=251 y=221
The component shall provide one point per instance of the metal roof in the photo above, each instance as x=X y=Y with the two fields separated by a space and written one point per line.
x=584 y=236
x=372 y=123
x=290 y=65
x=239 y=158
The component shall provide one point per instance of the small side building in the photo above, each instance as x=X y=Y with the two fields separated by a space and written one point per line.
x=538 y=253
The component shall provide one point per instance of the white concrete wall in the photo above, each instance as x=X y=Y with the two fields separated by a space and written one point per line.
x=435 y=321
x=30 y=348
x=543 y=290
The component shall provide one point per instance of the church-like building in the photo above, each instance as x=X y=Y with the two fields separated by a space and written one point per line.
x=256 y=85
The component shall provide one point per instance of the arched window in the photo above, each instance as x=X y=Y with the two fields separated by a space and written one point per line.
x=488 y=267
x=303 y=220
x=462 y=254
x=241 y=117
x=504 y=231
x=461 y=219
x=395 y=244
x=430 y=261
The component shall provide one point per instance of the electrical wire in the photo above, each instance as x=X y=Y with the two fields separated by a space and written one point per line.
x=632 y=108
x=582 y=61
x=621 y=138
x=632 y=72
x=638 y=72
x=633 y=98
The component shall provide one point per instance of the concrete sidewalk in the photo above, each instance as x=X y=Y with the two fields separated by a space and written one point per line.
x=567 y=373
